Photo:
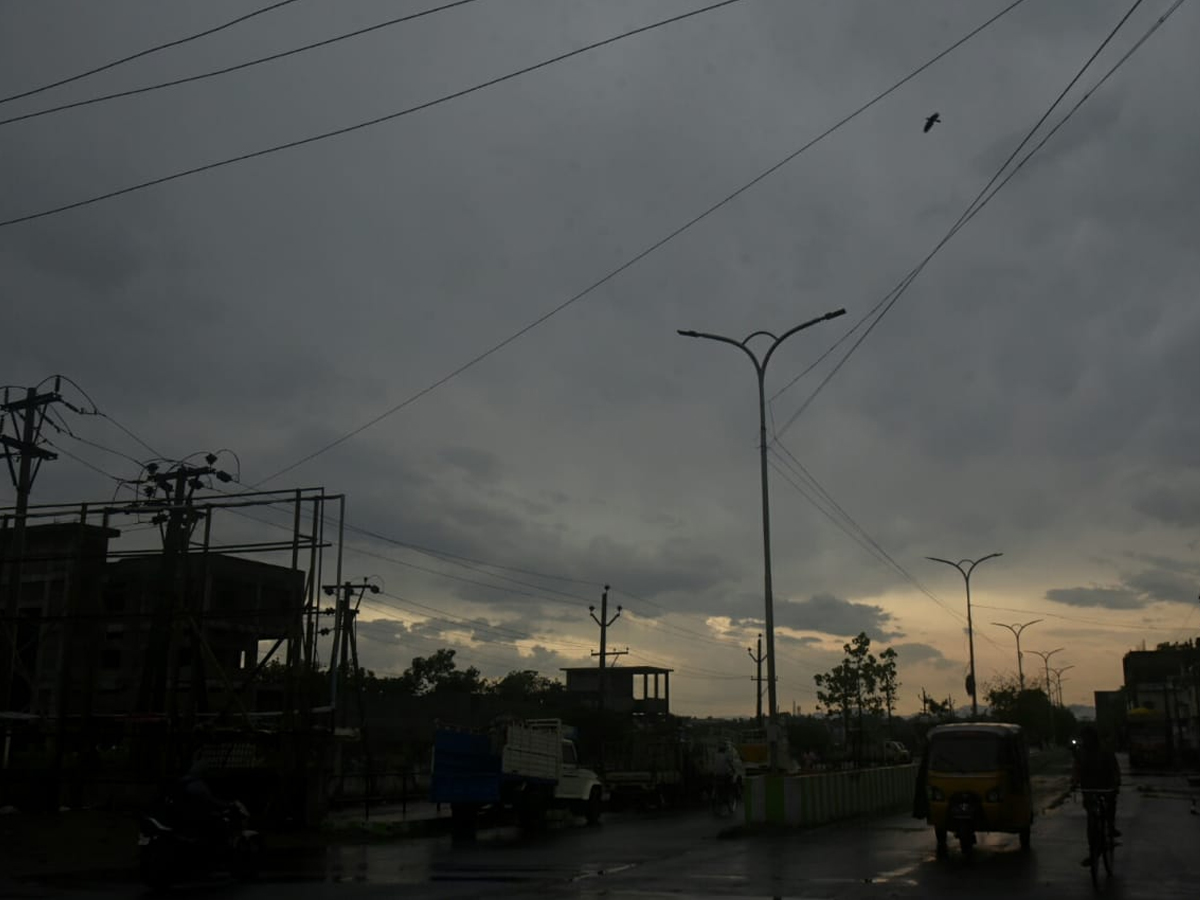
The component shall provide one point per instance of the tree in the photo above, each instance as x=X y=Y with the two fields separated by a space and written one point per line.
x=850 y=689
x=526 y=684
x=1029 y=707
x=438 y=674
x=888 y=682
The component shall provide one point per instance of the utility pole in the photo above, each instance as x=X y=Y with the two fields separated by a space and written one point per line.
x=604 y=622
x=760 y=369
x=1016 y=630
x=966 y=574
x=177 y=521
x=343 y=660
x=758 y=660
x=29 y=414
x=344 y=643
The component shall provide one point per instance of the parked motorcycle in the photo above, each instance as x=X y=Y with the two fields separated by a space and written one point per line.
x=171 y=852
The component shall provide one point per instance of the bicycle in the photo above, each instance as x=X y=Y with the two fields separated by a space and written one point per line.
x=1101 y=843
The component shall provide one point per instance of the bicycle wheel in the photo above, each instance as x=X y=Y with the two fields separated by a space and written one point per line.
x=1110 y=847
x=1095 y=851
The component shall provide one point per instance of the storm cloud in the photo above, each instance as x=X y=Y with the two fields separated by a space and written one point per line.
x=329 y=314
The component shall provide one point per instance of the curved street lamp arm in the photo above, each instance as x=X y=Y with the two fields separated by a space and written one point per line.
x=955 y=565
x=1045 y=655
x=726 y=340
x=1017 y=629
x=787 y=334
x=755 y=334
x=978 y=561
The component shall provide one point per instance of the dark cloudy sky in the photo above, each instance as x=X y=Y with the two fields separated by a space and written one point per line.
x=1034 y=392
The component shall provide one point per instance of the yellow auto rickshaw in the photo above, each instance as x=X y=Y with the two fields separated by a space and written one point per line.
x=974 y=777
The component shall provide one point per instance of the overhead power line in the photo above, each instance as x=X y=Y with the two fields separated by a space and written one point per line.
x=82 y=461
x=158 y=86
x=866 y=544
x=588 y=290
x=148 y=51
x=632 y=261
x=874 y=546
x=503 y=632
x=369 y=123
x=876 y=314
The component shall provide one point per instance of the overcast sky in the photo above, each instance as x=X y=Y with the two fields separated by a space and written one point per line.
x=1033 y=393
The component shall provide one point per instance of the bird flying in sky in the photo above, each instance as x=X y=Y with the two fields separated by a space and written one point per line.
x=930 y=121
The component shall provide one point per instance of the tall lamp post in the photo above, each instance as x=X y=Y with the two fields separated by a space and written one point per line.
x=1058 y=679
x=1016 y=630
x=1045 y=655
x=760 y=369
x=966 y=574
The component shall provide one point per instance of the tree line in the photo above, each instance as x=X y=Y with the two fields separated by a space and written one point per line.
x=436 y=674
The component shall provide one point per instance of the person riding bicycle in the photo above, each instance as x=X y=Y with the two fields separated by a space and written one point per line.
x=1096 y=768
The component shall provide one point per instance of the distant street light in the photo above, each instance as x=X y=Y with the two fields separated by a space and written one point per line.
x=760 y=368
x=1058 y=675
x=1045 y=655
x=1016 y=630
x=966 y=574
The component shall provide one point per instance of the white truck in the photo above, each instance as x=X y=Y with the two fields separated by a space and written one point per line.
x=528 y=767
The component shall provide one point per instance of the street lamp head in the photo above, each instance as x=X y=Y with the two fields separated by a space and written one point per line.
x=686 y=333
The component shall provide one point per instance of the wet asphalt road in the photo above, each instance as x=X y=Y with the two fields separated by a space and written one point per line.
x=684 y=856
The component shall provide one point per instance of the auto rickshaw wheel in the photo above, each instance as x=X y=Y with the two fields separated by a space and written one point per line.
x=1024 y=835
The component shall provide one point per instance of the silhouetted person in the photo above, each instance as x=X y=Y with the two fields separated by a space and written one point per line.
x=1096 y=768
x=930 y=121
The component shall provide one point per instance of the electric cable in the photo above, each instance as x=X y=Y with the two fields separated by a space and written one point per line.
x=885 y=305
x=644 y=253
x=148 y=51
x=358 y=126
x=158 y=86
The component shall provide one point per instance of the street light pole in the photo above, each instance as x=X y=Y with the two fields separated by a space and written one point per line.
x=966 y=574
x=1058 y=674
x=1045 y=655
x=1016 y=630
x=760 y=369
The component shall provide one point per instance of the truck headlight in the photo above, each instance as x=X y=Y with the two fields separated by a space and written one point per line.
x=995 y=795
x=935 y=793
